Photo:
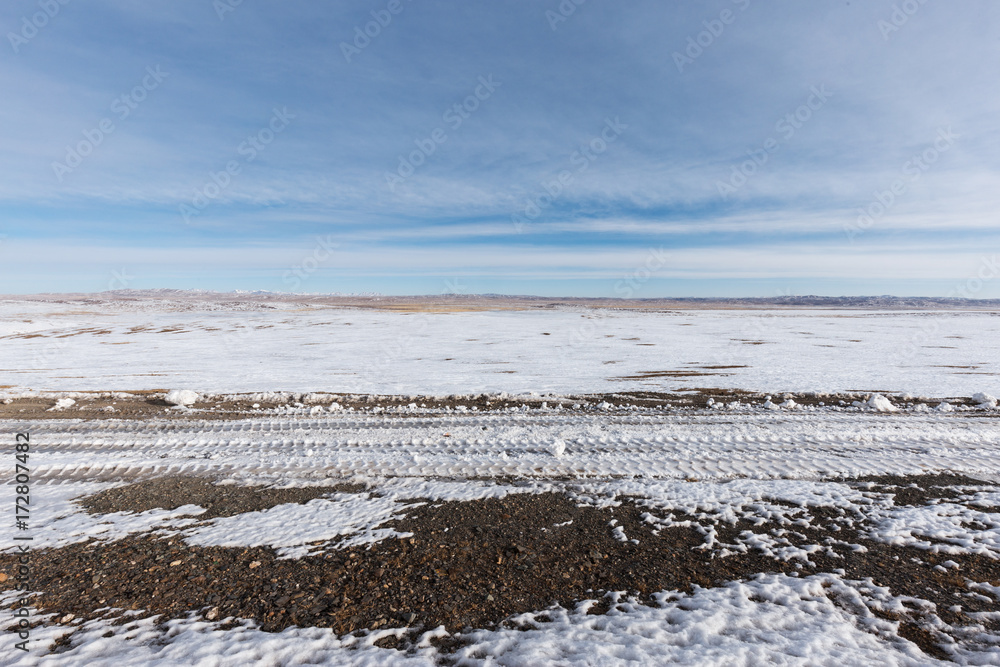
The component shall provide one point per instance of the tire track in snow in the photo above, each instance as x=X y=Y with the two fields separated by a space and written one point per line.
x=597 y=445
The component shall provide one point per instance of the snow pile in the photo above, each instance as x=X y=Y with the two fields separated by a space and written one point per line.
x=944 y=406
x=880 y=403
x=182 y=397
x=558 y=448
x=62 y=404
x=984 y=399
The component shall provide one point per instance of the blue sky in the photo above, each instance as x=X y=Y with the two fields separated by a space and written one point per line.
x=641 y=149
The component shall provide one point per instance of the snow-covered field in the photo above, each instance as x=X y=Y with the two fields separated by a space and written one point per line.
x=105 y=345
x=724 y=465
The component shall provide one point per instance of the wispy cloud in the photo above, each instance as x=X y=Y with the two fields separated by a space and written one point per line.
x=689 y=131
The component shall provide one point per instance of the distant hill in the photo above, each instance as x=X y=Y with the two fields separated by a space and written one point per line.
x=251 y=300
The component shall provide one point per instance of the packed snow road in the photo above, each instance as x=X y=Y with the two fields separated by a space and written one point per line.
x=695 y=445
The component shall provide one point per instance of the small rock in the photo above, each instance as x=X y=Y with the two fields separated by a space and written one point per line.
x=212 y=614
x=408 y=617
x=255 y=564
x=176 y=563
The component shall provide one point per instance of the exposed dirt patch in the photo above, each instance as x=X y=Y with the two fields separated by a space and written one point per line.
x=226 y=500
x=648 y=375
x=918 y=490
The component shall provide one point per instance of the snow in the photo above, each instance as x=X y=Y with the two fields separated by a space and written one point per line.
x=184 y=397
x=117 y=346
x=983 y=398
x=706 y=445
x=294 y=530
x=774 y=463
x=774 y=620
x=942 y=528
x=290 y=528
x=56 y=520
x=880 y=403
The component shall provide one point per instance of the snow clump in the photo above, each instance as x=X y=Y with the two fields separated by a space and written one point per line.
x=558 y=448
x=984 y=399
x=880 y=403
x=62 y=404
x=184 y=397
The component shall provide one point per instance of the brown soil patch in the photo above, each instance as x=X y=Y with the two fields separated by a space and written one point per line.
x=916 y=490
x=226 y=500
